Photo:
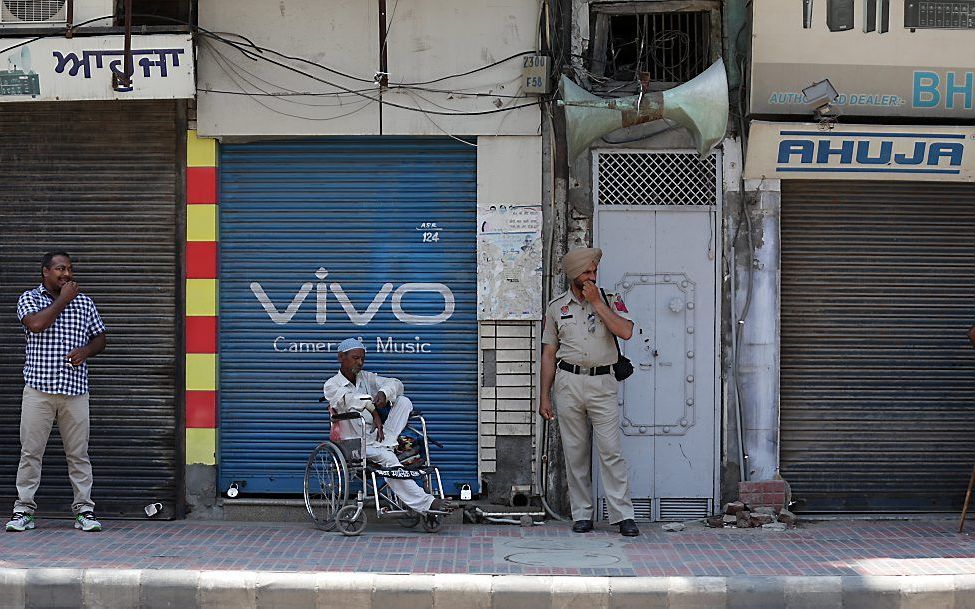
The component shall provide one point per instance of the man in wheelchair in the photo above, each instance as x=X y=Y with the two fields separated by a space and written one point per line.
x=385 y=415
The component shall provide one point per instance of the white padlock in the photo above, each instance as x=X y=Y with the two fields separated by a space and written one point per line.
x=465 y=492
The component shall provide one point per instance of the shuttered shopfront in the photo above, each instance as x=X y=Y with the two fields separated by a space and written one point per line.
x=878 y=376
x=372 y=237
x=99 y=180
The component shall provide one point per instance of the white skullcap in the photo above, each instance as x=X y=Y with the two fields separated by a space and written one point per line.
x=349 y=344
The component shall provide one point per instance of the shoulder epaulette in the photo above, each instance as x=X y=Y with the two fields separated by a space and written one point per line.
x=562 y=295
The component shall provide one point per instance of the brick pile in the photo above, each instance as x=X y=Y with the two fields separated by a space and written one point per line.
x=760 y=504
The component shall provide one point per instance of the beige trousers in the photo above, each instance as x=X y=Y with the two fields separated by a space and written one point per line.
x=581 y=401
x=38 y=412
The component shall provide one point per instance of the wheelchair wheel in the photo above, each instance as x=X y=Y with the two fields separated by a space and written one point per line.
x=326 y=484
x=348 y=523
x=432 y=523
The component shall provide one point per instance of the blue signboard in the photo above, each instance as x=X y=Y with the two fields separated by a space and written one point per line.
x=320 y=240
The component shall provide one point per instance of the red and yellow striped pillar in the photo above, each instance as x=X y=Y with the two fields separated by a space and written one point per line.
x=201 y=300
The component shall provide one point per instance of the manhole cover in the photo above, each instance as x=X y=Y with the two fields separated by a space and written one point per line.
x=564 y=559
x=557 y=544
x=561 y=553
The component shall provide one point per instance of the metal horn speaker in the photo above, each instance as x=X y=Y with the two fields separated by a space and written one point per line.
x=700 y=105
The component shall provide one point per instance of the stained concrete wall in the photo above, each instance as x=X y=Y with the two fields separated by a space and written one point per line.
x=426 y=40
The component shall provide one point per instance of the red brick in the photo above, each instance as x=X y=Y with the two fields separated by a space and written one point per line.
x=749 y=487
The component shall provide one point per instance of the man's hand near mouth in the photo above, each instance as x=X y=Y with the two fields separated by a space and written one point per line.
x=68 y=291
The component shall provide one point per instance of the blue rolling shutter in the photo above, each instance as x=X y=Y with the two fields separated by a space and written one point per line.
x=323 y=239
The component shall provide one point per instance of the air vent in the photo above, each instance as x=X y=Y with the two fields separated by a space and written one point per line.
x=642 y=509
x=33 y=11
x=680 y=509
x=22 y=14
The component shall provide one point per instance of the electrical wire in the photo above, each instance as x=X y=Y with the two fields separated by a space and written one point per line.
x=389 y=27
x=286 y=92
x=58 y=34
x=233 y=71
x=222 y=36
x=442 y=130
x=374 y=99
x=360 y=107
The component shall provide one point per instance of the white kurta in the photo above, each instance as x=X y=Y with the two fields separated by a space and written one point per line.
x=345 y=396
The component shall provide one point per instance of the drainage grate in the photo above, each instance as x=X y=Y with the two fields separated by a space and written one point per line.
x=657 y=178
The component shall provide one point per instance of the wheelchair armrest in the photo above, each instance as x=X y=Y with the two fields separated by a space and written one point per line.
x=346 y=416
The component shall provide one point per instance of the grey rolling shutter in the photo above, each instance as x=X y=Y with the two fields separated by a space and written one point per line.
x=878 y=377
x=99 y=180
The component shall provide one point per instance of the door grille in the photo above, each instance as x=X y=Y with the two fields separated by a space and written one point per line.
x=657 y=178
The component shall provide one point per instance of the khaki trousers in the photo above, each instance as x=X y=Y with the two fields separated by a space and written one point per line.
x=38 y=412
x=581 y=401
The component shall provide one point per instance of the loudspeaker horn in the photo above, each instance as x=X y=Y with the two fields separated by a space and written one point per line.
x=700 y=105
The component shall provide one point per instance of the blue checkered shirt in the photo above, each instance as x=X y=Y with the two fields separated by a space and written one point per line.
x=46 y=367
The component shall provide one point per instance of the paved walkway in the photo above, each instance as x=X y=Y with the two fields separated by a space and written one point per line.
x=930 y=547
x=224 y=565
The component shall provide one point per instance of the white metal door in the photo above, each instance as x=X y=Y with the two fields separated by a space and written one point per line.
x=661 y=258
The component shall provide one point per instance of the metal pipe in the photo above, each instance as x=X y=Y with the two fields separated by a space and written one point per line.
x=543 y=473
x=69 y=32
x=510 y=521
x=484 y=514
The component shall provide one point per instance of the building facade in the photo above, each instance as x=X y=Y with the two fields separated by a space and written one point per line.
x=378 y=174
x=93 y=154
x=864 y=197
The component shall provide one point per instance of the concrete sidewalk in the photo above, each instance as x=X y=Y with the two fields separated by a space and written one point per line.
x=191 y=564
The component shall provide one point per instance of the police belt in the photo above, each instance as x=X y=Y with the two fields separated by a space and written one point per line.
x=574 y=369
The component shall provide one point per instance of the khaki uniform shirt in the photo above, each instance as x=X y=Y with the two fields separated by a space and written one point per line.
x=579 y=334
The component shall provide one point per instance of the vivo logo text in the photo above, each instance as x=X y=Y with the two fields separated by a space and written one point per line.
x=387 y=291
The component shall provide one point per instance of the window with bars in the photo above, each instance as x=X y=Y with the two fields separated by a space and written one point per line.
x=662 y=44
x=656 y=178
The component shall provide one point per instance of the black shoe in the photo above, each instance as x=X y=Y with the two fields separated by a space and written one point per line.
x=628 y=528
x=582 y=526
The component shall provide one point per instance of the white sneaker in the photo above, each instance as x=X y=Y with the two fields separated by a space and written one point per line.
x=87 y=522
x=21 y=522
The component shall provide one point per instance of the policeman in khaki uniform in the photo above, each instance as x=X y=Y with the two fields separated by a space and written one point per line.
x=578 y=353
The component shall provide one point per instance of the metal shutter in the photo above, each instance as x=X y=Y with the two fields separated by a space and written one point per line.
x=99 y=180
x=356 y=209
x=878 y=377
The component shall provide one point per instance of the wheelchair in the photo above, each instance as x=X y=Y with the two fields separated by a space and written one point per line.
x=334 y=467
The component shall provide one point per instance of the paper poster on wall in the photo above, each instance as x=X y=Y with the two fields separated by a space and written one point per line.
x=509 y=262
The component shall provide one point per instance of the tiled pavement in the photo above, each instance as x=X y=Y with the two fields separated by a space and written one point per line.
x=844 y=548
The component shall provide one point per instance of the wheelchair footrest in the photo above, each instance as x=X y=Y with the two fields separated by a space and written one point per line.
x=402 y=472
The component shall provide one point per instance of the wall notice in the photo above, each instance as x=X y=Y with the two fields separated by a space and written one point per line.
x=509 y=262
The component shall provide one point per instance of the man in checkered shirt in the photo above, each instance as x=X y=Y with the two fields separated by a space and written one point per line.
x=63 y=329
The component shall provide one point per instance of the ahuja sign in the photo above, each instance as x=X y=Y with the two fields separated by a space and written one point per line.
x=860 y=152
x=88 y=68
